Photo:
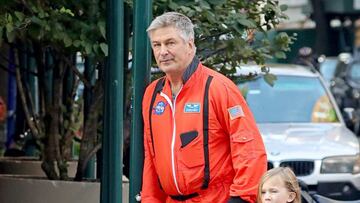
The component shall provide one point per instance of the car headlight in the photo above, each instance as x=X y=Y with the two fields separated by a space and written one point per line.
x=341 y=164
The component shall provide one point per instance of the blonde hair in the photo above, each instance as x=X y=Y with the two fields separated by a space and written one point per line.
x=287 y=176
x=177 y=20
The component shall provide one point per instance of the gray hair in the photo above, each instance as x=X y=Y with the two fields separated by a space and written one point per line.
x=177 y=20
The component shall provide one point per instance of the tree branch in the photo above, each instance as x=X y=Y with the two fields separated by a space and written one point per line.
x=17 y=66
x=77 y=73
x=28 y=117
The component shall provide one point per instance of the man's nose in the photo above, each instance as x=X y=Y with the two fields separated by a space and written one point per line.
x=163 y=50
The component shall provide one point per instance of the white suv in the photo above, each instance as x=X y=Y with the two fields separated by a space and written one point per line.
x=302 y=128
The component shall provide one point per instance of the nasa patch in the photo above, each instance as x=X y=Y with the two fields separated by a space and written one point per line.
x=159 y=108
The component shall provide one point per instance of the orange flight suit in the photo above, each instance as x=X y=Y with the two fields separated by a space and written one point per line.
x=179 y=162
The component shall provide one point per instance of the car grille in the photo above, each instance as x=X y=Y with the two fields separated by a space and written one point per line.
x=300 y=168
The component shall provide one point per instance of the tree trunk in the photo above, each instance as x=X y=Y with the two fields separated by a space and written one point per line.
x=89 y=137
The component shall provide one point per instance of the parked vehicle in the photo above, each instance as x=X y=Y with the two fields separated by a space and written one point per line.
x=327 y=68
x=303 y=128
x=307 y=197
x=345 y=87
x=331 y=66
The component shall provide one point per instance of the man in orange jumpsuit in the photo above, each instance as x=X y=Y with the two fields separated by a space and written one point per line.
x=201 y=141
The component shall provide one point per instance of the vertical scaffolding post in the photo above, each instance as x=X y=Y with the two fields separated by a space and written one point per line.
x=111 y=181
x=141 y=77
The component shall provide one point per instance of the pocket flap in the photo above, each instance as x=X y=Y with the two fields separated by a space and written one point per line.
x=242 y=137
x=187 y=137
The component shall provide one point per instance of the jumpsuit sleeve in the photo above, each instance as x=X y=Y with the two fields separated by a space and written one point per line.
x=247 y=148
x=150 y=192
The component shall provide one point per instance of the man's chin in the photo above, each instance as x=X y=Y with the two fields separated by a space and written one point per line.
x=166 y=67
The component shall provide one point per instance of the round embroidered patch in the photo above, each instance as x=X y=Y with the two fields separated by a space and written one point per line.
x=160 y=108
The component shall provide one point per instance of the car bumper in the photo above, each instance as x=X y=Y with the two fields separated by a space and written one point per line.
x=338 y=190
x=340 y=186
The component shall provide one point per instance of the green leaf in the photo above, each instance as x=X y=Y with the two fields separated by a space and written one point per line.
x=102 y=28
x=198 y=8
x=10 y=36
x=36 y=20
x=67 y=40
x=283 y=7
x=173 y=6
x=210 y=17
x=9 y=27
x=185 y=9
x=204 y=5
x=77 y=43
x=246 y=22
x=104 y=48
x=88 y=48
x=66 y=11
x=41 y=14
x=238 y=28
x=82 y=36
x=47 y=27
x=96 y=48
x=9 y=18
x=270 y=79
x=280 y=55
x=216 y=2
x=19 y=15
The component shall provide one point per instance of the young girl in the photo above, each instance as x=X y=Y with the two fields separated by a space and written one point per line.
x=279 y=185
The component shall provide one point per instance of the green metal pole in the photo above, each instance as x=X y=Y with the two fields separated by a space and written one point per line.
x=111 y=182
x=141 y=77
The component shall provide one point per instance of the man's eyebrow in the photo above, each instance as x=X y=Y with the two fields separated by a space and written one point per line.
x=166 y=40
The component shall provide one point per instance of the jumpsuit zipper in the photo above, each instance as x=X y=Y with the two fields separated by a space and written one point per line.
x=172 y=106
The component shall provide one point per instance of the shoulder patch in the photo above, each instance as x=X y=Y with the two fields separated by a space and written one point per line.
x=235 y=112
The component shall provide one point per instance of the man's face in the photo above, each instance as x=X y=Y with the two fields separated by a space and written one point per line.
x=171 y=52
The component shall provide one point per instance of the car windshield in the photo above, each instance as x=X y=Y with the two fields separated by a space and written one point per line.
x=291 y=99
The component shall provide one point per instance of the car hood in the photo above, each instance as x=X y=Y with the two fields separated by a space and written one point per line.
x=289 y=141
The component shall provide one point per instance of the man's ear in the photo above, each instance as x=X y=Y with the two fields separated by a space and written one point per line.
x=191 y=43
x=291 y=197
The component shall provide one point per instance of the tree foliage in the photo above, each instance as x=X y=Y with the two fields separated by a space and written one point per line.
x=231 y=32
x=227 y=34
x=51 y=33
x=66 y=26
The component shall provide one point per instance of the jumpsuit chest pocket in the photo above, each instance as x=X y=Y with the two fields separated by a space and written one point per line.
x=191 y=152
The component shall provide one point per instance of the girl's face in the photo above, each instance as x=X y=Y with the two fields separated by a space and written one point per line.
x=274 y=191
